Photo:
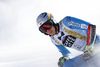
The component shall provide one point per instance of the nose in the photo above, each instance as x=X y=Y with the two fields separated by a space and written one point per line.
x=48 y=31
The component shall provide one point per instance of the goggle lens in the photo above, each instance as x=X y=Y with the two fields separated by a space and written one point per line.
x=46 y=26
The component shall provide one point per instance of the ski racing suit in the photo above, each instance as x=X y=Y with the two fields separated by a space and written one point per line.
x=74 y=33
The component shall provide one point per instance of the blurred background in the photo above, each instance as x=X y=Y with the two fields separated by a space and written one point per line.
x=21 y=43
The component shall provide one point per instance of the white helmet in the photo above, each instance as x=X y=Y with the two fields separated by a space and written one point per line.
x=43 y=17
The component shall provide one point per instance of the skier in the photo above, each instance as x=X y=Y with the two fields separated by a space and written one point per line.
x=69 y=32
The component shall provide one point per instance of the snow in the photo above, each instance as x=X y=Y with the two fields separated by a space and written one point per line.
x=78 y=61
x=22 y=45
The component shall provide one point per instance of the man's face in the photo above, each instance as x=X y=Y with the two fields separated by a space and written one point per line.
x=51 y=31
x=48 y=28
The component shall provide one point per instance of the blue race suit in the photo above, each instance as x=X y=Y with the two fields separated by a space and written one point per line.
x=73 y=33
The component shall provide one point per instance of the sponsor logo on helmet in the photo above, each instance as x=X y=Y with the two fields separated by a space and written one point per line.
x=40 y=23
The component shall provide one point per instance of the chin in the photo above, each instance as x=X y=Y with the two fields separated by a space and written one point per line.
x=52 y=34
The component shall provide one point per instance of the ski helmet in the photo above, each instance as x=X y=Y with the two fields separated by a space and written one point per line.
x=43 y=17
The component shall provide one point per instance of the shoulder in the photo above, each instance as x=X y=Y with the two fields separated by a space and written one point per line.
x=65 y=20
x=68 y=18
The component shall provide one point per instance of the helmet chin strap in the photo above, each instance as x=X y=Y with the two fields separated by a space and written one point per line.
x=56 y=28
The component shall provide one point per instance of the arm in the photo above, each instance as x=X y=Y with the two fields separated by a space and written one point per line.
x=90 y=28
x=75 y=23
x=61 y=48
x=66 y=55
x=64 y=51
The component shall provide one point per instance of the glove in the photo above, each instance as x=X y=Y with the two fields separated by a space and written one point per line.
x=90 y=48
x=87 y=55
x=88 y=52
x=62 y=60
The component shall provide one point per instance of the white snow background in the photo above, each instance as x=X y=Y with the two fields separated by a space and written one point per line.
x=21 y=43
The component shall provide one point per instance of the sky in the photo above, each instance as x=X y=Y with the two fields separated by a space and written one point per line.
x=21 y=43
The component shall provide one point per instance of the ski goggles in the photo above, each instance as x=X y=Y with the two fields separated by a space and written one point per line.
x=46 y=26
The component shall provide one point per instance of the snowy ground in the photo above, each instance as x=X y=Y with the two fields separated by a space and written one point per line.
x=78 y=61
x=22 y=45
